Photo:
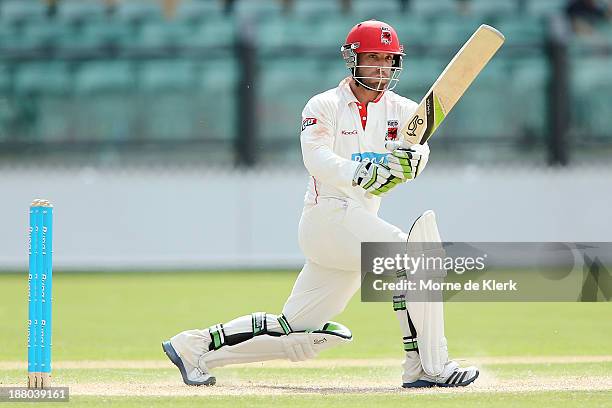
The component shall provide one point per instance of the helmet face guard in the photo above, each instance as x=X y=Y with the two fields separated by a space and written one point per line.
x=373 y=37
x=385 y=83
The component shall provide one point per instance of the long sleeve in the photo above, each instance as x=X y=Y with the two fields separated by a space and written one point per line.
x=317 y=139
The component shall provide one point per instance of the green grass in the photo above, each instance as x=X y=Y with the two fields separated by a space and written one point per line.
x=562 y=399
x=126 y=316
x=114 y=316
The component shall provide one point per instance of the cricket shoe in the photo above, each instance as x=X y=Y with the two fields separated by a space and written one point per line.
x=192 y=375
x=452 y=376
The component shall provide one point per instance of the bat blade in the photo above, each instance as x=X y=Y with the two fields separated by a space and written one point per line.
x=452 y=84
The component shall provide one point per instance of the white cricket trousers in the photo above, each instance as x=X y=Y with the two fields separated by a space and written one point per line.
x=330 y=236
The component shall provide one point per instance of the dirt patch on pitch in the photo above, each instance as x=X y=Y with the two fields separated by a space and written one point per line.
x=230 y=383
x=485 y=384
x=320 y=363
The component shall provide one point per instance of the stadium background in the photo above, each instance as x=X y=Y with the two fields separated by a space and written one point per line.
x=166 y=136
x=166 y=132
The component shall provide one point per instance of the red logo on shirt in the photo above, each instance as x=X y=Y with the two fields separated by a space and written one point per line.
x=308 y=122
x=392 y=126
x=391 y=133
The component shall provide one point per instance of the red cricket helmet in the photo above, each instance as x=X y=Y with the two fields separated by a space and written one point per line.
x=373 y=36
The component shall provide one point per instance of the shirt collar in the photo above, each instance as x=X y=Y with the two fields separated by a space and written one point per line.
x=348 y=94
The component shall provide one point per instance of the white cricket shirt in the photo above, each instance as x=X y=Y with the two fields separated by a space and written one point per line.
x=338 y=132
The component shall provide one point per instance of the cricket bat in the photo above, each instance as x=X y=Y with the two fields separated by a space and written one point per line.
x=452 y=83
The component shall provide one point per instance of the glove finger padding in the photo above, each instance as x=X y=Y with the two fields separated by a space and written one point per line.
x=383 y=171
x=404 y=168
x=406 y=154
x=390 y=183
x=399 y=164
x=382 y=186
x=376 y=178
x=423 y=151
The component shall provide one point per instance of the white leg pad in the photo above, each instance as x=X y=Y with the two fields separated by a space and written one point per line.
x=428 y=317
x=295 y=346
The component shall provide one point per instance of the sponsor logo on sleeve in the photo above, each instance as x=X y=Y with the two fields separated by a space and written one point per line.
x=380 y=158
x=308 y=122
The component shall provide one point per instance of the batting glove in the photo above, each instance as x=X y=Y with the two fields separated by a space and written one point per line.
x=375 y=178
x=406 y=161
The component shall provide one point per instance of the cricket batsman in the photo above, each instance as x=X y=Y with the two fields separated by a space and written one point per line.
x=349 y=147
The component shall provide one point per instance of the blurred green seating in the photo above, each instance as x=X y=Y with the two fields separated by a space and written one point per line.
x=16 y=11
x=330 y=33
x=104 y=108
x=104 y=76
x=284 y=88
x=80 y=46
x=5 y=79
x=47 y=87
x=81 y=10
x=166 y=108
x=433 y=8
x=259 y=10
x=605 y=30
x=217 y=115
x=418 y=75
x=522 y=30
x=378 y=10
x=545 y=7
x=7 y=33
x=167 y=75
x=138 y=10
x=313 y=9
x=219 y=74
x=6 y=111
x=333 y=72
x=198 y=11
x=216 y=33
x=35 y=38
x=47 y=32
x=597 y=43
x=491 y=8
x=7 y=30
x=16 y=44
x=284 y=33
x=156 y=34
x=484 y=111
x=529 y=94
x=111 y=32
x=591 y=89
x=449 y=30
x=43 y=78
x=185 y=100
x=284 y=73
x=591 y=72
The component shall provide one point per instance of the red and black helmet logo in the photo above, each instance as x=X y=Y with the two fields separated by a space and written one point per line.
x=385 y=35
